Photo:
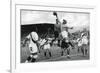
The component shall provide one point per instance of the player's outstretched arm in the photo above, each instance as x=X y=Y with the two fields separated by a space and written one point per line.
x=57 y=19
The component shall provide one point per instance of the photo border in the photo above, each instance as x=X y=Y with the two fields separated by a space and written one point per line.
x=13 y=53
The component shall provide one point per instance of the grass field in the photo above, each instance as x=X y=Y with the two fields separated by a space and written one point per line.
x=56 y=55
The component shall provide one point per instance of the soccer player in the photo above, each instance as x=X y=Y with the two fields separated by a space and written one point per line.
x=65 y=38
x=64 y=33
x=33 y=48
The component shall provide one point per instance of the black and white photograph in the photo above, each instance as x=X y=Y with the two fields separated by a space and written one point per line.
x=49 y=36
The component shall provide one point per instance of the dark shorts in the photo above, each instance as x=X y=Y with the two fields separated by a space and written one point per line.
x=34 y=53
x=64 y=44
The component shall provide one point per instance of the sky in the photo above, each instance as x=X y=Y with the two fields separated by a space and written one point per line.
x=76 y=20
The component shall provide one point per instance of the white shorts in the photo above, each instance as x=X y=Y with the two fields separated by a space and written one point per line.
x=34 y=55
x=47 y=46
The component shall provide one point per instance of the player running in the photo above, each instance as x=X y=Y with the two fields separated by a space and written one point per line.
x=32 y=45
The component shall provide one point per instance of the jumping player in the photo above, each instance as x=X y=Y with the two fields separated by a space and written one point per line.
x=64 y=33
x=65 y=38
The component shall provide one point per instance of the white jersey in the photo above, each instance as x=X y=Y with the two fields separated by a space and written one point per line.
x=45 y=43
x=42 y=41
x=84 y=40
x=32 y=46
x=64 y=34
